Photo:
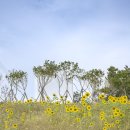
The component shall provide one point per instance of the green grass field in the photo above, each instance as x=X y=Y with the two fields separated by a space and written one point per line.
x=113 y=114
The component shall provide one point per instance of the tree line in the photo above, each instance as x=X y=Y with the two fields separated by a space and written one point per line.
x=67 y=74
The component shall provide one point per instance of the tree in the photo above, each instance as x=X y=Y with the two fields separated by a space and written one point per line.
x=69 y=71
x=81 y=79
x=119 y=81
x=94 y=78
x=44 y=75
x=18 y=83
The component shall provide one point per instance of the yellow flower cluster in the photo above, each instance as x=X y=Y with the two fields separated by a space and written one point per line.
x=101 y=96
x=117 y=112
x=102 y=115
x=122 y=99
x=86 y=95
x=72 y=108
x=49 y=111
x=110 y=115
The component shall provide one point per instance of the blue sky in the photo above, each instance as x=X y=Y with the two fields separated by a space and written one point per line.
x=94 y=33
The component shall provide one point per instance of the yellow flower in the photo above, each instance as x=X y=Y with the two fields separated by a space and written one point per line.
x=67 y=110
x=30 y=100
x=101 y=96
x=52 y=112
x=78 y=119
x=112 y=124
x=102 y=118
x=117 y=121
x=61 y=97
x=42 y=103
x=116 y=114
x=110 y=97
x=15 y=126
x=71 y=109
x=121 y=115
x=102 y=113
x=68 y=102
x=104 y=128
x=11 y=113
x=84 y=104
x=91 y=124
x=49 y=109
x=75 y=109
x=124 y=101
x=106 y=123
x=117 y=110
x=124 y=97
x=88 y=107
x=114 y=108
x=104 y=101
x=87 y=94
x=113 y=100
x=7 y=110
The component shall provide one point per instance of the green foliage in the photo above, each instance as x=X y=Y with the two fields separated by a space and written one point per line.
x=16 y=76
x=94 y=77
x=119 y=81
x=49 y=68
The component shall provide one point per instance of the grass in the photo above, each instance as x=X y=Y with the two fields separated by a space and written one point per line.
x=113 y=114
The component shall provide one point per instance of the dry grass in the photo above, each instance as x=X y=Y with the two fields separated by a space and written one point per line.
x=35 y=116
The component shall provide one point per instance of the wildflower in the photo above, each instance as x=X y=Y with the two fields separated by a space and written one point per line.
x=102 y=118
x=75 y=109
x=78 y=119
x=101 y=96
x=68 y=102
x=104 y=101
x=67 y=110
x=91 y=124
x=11 y=113
x=106 y=123
x=121 y=115
x=71 y=109
x=117 y=110
x=104 y=128
x=48 y=109
x=57 y=103
x=116 y=114
x=88 y=107
x=87 y=94
x=117 y=121
x=30 y=100
x=61 y=97
x=52 y=112
x=114 y=108
x=84 y=104
x=15 y=126
x=7 y=110
x=84 y=97
x=102 y=113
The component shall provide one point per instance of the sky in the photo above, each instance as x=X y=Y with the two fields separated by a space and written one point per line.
x=94 y=33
